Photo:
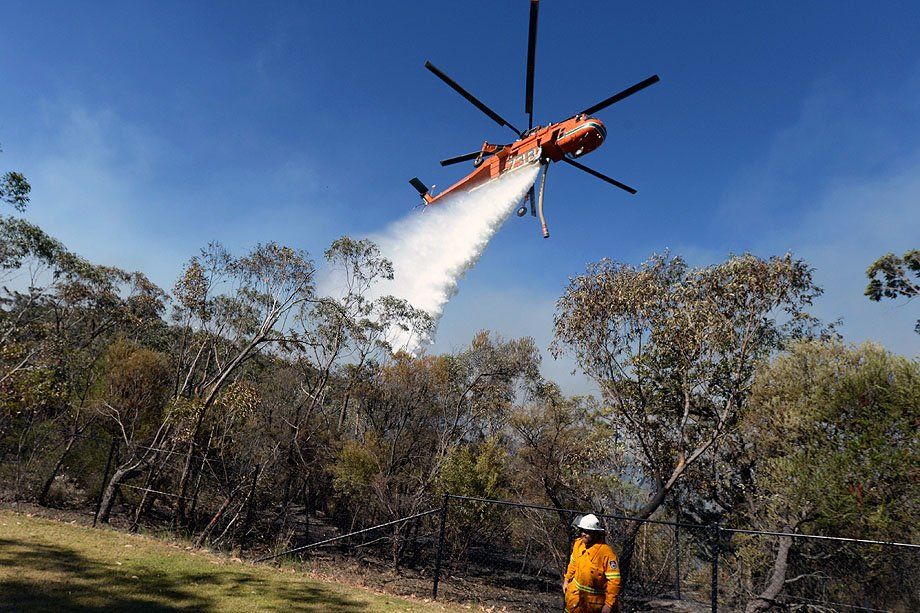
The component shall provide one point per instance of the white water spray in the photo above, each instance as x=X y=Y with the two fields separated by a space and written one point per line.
x=432 y=249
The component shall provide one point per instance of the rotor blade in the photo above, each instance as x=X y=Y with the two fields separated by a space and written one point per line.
x=531 y=59
x=600 y=176
x=475 y=101
x=460 y=158
x=629 y=91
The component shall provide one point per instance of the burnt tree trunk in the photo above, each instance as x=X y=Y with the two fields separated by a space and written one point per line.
x=108 y=497
x=764 y=601
x=251 y=501
x=148 y=499
x=46 y=488
x=220 y=512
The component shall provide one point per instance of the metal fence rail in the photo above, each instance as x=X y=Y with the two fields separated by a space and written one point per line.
x=351 y=534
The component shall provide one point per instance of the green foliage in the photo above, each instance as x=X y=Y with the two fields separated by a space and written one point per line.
x=133 y=389
x=355 y=318
x=14 y=190
x=432 y=424
x=238 y=398
x=54 y=331
x=191 y=290
x=20 y=240
x=359 y=260
x=480 y=471
x=832 y=433
x=834 y=430
x=900 y=278
x=37 y=389
x=565 y=453
x=357 y=467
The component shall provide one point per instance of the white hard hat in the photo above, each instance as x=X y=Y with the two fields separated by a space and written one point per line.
x=590 y=522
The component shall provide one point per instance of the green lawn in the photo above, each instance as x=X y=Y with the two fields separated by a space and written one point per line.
x=46 y=565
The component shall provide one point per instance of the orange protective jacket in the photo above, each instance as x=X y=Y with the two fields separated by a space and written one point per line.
x=593 y=578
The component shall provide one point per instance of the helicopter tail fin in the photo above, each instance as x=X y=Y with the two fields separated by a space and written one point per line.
x=423 y=190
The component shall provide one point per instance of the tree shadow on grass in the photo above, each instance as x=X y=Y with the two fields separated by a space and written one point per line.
x=40 y=577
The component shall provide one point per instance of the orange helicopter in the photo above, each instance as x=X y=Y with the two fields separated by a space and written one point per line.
x=557 y=142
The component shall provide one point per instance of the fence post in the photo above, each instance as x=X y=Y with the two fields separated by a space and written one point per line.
x=437 y=561
x=677 y=560
x=105 y=478
x=715 y=566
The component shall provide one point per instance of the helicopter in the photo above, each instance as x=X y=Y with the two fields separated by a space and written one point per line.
x=563 y=141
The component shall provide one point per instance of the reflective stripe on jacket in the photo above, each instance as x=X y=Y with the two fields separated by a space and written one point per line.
x=594 y=578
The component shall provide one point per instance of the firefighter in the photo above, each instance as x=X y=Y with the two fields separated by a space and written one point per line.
x=592 y=580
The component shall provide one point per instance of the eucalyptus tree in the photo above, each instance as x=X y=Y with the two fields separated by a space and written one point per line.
x=132 y=397
x=559 y=445
x=342 y=336
x=832 y=434
x=894 y=277
x=355 y=323
x=562 y=454
x=15 y=246
x=88 y=308
x=58 y=313
x=14 y=189
x=674 y=349
x=417 y=414
x=228 y=310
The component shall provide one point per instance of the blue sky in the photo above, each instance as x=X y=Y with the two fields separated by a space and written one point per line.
x=149 y=129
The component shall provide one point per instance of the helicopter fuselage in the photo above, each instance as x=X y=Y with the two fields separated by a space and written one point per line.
x=571 y=138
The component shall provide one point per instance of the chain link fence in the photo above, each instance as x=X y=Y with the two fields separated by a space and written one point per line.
x=816 y=573
x=511 y=554
x=398 y=556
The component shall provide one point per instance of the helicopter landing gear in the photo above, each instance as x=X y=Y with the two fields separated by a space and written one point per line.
x=522 y=211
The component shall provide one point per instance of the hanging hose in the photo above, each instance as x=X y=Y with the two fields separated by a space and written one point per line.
x=540 y=201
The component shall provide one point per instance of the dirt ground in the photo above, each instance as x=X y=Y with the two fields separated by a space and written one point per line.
x=477 y=594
